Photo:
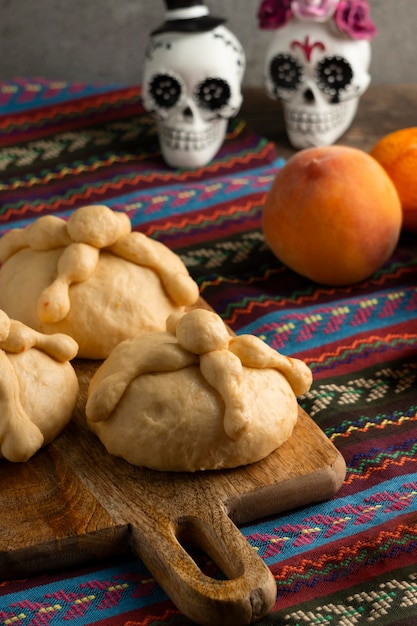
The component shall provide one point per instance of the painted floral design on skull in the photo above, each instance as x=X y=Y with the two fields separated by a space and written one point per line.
x=317 y=64
x=192 y=87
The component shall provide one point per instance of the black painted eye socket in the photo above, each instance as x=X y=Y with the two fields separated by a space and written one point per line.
x=333 y=74
x=285 y=71
x=213 y=94
x=165 y=90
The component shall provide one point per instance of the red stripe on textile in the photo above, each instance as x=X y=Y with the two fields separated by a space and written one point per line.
x=161 y=613
x=76 y=114
x=338 y=360
x=111 y=189
x=347 y=562
x=78 y=105
x=199 y=226
x=125 y=166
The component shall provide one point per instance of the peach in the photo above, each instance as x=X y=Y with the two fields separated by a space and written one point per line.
x=332 y=215
x=397 y=153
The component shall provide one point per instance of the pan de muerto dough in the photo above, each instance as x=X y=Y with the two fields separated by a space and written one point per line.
x=38 y=388
x=194 y=397
x=91 y=278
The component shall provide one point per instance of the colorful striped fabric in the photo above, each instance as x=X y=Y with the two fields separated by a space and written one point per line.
x=349 y=561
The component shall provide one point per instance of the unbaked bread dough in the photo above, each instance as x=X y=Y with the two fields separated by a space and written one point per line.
x=91 y=278
x=194 y=397
x=38 y=388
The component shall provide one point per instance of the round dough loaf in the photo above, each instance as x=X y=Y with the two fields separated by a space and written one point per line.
x=119 y=300
x=216 y=402
x=38 y=388
x=92 y=279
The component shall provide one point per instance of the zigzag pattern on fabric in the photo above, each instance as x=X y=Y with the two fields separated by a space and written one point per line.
x=341 y=567
x=133 y=132
x=307 y=330
x=110 y=592
x=23 y=93
x=346 y=556
x=346 y=357
x=378 y=601
x=338 y=520
x=376 y=460
x=71 y=143
x=280 y=288
x=60 y=204
x=223 y=193
x=366 y=423
x=22 y=134
x=208 y=226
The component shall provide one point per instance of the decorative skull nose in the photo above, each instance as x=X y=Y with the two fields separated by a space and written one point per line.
x=187 y=112
x=308 y=96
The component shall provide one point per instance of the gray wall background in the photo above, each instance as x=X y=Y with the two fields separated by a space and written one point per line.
x=104 y=40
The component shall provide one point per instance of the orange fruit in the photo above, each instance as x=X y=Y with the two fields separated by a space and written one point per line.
x=397 y=153
x=332 y=214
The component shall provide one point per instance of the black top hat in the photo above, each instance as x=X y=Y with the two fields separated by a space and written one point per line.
x=187 y=16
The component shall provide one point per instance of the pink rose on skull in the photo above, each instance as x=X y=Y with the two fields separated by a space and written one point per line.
x=317 y=10
x=274 y=13
x=352 y=18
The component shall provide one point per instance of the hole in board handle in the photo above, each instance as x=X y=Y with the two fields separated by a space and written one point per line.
x=207 y=549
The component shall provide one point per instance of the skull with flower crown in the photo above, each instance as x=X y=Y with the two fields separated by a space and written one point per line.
x=317 y=64
x=192 y=78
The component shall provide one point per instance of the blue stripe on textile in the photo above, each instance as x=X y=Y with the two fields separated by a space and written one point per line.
x=83 y=600
x=315 y=326
x=290 y=534
x=180 y=199
x=22 y=95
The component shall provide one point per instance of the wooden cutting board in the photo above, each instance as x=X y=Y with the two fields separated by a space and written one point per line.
x=73 y=503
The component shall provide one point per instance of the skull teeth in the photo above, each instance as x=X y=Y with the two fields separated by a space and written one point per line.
x=304 y=122
x=179 y=139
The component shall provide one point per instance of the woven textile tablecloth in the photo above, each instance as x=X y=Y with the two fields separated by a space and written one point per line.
x=351 y=560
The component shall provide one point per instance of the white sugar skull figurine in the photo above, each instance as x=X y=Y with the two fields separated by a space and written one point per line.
x=192 y=79
x=317 y=64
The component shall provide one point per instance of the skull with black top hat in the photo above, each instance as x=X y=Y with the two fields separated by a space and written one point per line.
x=192 y=78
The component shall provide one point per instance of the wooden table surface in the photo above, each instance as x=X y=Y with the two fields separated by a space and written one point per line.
x=382 y=109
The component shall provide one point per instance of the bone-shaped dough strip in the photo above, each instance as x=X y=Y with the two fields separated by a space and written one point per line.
x=140 y=249
x=223 y=371
x=98 y=226
x=21 y=337
x=76 y=263
x=12 y=242
x=253 y=352
x=4 y=325
x=20 y=438
x=46 y=233
x=128 y=361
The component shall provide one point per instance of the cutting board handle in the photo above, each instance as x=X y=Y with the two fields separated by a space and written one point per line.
x=248 y=591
